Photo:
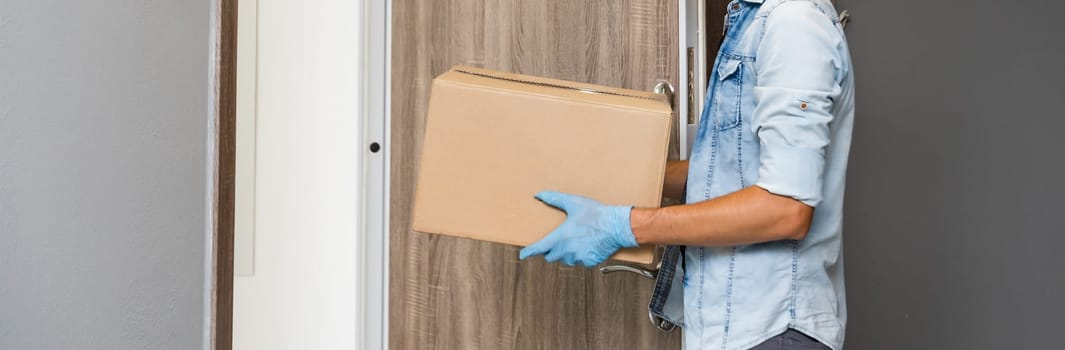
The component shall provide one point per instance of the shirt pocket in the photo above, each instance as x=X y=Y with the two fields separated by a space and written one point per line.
x=729 y=93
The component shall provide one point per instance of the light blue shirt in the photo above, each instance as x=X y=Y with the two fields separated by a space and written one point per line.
x=779 y=112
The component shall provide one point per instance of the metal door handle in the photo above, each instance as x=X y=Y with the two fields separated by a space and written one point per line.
x=665 y=88
x=650 y=274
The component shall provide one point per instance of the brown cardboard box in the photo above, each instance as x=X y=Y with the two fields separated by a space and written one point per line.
x=494 y=139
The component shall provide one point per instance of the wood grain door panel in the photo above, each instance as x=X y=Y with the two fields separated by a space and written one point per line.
x=450 y=293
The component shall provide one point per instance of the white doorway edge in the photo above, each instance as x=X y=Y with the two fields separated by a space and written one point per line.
x=375 y=87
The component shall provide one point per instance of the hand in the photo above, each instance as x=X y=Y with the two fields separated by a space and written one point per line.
x=591 y=233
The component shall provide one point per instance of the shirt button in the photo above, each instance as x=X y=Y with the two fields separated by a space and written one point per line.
x=735 y=6
x=802 y=106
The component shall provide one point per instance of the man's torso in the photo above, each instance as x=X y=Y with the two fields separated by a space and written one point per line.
x=738 y=297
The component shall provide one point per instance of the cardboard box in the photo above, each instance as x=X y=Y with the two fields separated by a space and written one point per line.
x=495 y=139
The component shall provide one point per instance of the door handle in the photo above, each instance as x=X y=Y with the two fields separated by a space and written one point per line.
x=645 y=273
x=665 y=88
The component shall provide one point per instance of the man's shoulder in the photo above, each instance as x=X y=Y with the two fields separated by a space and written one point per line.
x=825 y=7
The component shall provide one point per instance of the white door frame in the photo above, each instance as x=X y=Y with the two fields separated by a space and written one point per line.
x=691 y=85
x=375 y=72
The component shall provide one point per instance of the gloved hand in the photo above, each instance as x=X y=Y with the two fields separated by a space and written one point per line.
x=591 y=233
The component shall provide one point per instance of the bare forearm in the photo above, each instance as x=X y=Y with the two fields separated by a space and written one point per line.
x=751 y=215
x=675 y=180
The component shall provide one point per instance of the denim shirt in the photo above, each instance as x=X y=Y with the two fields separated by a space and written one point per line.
x=778 y=115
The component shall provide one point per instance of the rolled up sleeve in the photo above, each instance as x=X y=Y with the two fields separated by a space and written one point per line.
x=799 y=69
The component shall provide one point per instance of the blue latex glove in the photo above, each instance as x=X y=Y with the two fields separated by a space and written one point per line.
x=591 y=233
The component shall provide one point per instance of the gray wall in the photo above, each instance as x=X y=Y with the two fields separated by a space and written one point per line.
x=103 y=115
x=957 y=177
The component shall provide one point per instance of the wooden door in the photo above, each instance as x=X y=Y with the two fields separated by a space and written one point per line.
x=450 y=293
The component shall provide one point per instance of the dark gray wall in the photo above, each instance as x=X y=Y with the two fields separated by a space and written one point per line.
x=103 y=115
x=955 y=193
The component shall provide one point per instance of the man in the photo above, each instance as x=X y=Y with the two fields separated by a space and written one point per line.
x=762 y=227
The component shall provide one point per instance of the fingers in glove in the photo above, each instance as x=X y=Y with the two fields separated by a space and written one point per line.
x=555 y=199
x=569 y=259
x=553 y=256
x=589 y=262
x=540 y=247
